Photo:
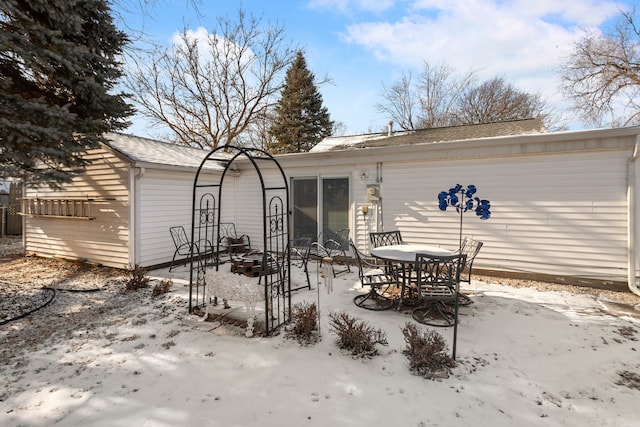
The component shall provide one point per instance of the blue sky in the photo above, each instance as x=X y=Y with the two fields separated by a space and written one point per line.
x=363 y=44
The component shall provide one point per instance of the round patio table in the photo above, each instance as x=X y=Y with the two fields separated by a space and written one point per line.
x=407 y=253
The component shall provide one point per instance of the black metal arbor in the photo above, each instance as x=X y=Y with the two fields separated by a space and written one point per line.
x=207 y=207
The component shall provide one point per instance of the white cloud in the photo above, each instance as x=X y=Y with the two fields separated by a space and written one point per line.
x=205 y=42
x=523 y=40
x=200 y=34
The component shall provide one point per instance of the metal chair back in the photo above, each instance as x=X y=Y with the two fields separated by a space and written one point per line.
x=385 y=238
x=438 y=278
x=299 y=250
x=180 y=240
x=438 y=285
x=183 y=246
x=230 y=242
x=470 y=247
x=378 y=280
x=332 y=244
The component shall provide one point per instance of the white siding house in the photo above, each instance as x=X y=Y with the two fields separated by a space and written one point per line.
x=137 y=188
x=564 y=205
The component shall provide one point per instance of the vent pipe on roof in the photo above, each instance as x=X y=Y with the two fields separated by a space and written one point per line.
x=390 y=128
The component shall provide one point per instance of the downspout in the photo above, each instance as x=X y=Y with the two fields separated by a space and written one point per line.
x=134 y=217
x=379 y=207
x=631 y=218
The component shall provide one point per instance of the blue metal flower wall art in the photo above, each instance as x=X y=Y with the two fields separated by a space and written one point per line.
x=464 y=199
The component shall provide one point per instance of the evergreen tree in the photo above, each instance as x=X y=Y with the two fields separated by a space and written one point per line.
x=58 y=64
x=301 y=120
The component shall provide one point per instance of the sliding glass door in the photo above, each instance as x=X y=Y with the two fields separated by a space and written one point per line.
x=335 y=206
x=305 y=207
x=333 y=213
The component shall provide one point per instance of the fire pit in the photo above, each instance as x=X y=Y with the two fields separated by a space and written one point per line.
x=251 y=265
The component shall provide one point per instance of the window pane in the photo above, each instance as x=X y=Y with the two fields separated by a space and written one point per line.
x=305 y=208
x=335 y=204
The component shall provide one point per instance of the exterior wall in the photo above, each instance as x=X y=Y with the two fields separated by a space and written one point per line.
x=365 y=175
x=558 y=201
x=562 y=214
x=247 y=208
x=101 y=240
x=164 y=200
x=319 y=172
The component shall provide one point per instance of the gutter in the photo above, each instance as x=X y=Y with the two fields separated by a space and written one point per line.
x=632 y=211
x=134 y=216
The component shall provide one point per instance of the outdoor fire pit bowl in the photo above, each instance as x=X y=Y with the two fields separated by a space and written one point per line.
x=250 y=265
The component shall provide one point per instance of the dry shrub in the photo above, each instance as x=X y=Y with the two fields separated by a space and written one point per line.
x=162 y=288
x=137 y=279
x=304 y=324
x=629 y=379
x=356 y=336
x=427 y=353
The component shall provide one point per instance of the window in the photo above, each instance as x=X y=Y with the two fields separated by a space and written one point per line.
x=333 y=213
x=305 y=208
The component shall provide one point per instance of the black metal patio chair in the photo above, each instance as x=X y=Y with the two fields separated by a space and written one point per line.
x=438 y=285
x=229 y=241
x=437 y=281
x=184 y=248
x=470 y=247
x=299 y=250
x=378 y=280
x=385 y=238
x=334 y=245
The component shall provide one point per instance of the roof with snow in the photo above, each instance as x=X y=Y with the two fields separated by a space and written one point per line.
x=145 y=151
x=421 y=136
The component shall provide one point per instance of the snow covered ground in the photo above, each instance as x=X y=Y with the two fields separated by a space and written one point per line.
x=525 y=357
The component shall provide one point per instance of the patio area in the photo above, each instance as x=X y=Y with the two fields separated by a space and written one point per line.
x=525 y=357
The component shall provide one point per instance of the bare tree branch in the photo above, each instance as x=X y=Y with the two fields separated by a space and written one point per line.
x=214 y=91
x=602 y=75
x=399 y=102
x=440 y=91
x=441 y=98
x=496 y=100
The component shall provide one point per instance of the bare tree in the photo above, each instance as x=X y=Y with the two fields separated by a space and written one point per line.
x=257 y=135
x=429 y=102
x=442 y=98
x=440 y=91
x=496 y=100
x=212 y=91
x=339 y=129
x=602 y=75
x=400 y=103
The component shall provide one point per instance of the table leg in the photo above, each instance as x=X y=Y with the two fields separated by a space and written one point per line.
x=406 y=275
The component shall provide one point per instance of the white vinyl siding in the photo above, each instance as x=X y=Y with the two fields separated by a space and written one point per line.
x=102 y=240
x=164 y=199
x=563 y=214
x=558 y=202
x=247 y=208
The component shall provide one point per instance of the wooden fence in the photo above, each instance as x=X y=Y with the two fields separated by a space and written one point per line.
x=10 y=218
